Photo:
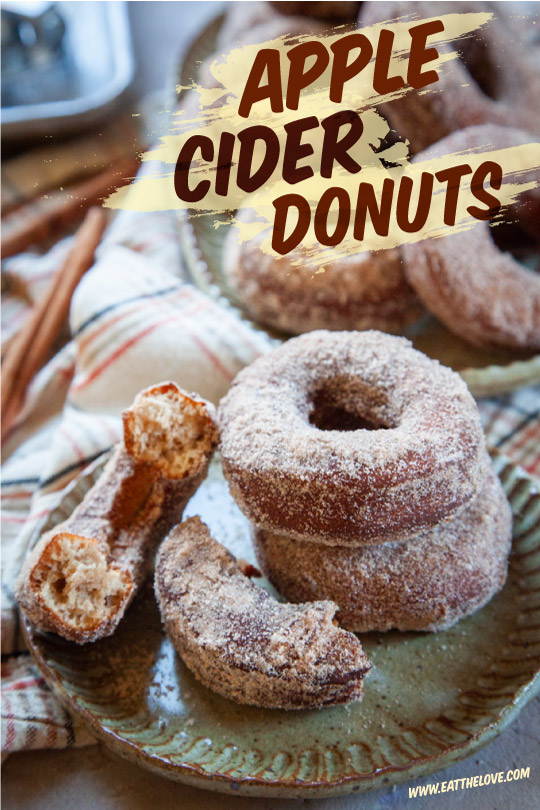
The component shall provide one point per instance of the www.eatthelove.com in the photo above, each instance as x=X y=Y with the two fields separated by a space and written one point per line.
x=469 y=782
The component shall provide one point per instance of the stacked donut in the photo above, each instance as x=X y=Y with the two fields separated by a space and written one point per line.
x=362 y=467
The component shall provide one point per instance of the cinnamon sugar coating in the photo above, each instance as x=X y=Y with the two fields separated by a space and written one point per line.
x=481 y=293
x=448 y=572
x=336 y=11
x=260 y=21
x=241 y=642
x=292 y=472
x=496 y=78
x=81 y=576
x=364 y=291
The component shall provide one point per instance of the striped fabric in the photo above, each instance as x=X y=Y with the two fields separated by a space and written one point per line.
x=134 y=321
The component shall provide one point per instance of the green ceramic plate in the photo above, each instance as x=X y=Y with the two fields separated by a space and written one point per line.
x=487 y=372
x=430 y=701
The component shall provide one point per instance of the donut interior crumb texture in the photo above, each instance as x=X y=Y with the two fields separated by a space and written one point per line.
x=241 y=642
x=169 y=431
x=75 y=583
x=81 y=576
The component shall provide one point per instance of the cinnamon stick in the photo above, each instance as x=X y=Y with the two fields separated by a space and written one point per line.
x=31 y=347
x=39 y=220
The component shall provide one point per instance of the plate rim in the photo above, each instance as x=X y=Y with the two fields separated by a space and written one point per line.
x=196 y=775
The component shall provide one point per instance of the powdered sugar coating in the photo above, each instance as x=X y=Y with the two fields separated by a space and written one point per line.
x=496 y=80
x=240 y=641
x=364 y=291
x=350 y=487
x=479 y=292
x=428 y=584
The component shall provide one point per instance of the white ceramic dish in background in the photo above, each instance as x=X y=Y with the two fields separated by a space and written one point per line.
x=99 y=44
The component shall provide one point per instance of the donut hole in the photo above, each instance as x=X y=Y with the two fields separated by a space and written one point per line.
x=476 y=56
x=517 y=234
x=330 y=412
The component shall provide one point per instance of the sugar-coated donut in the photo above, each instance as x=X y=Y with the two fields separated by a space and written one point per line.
x=241 y=642
x=364 y=291
x=330 y=10
x=495 y=80
x=244 y=22
x=476 y=290
x=350 y=438
x=426 y=584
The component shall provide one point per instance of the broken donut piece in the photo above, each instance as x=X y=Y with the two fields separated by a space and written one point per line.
x=241 y=642
x=81 y=576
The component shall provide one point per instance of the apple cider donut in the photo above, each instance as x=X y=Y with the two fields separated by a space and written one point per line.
x=446 y=573
x=364 y=291
x=241 y=642
x=333 y=11
x=495 y=80
x=479 y=292
x=80 y=578
x=258 y=21
x=350 y=438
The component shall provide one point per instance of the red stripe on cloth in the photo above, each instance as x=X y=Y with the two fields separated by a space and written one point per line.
x=23 y=684
x=181 y=293
x=52 y=731
x=140 y=247
x=120 y=351
x=521 y=438
x=13 y=519
x=78 y=452
x=10 y=729
x=179 y=317
x=216 y=362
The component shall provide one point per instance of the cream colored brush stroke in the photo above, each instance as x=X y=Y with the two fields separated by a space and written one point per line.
x=218 y=111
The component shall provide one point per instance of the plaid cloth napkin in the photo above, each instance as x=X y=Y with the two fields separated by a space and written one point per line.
x=134 y=321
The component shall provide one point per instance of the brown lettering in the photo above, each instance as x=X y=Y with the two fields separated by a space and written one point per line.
x=248 y=137
x=403 y=203
x=382 y=82
x=379 y=213
x=420 y=55
x=452 y=177
x=224 y=163
x=492 y=203
x=341 y=71
x=320 y=220
x=183 y=165
x=338 y=150
x=266 y=59
x=280 y=243
x=295 y=150
x=299 y=77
